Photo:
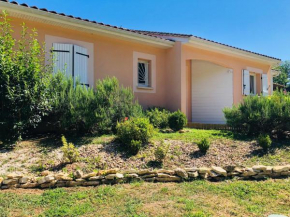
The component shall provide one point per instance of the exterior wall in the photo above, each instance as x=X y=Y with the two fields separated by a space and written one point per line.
x=236 y=64
x=112 y=57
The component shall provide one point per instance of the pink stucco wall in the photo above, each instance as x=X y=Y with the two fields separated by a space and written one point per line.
x=114 y=57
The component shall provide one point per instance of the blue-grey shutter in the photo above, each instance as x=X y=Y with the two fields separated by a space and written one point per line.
x=63 y=58
x=81 y=64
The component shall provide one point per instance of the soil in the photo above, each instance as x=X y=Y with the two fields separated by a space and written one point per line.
x=33 y=156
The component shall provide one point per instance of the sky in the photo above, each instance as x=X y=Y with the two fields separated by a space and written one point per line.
x=261 y=26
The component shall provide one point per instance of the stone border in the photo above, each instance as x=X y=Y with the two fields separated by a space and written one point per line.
x=114 y=176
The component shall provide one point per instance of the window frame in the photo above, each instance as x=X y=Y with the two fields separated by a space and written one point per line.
x=151 y=60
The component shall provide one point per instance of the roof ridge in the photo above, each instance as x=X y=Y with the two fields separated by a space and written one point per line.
x=165 y=33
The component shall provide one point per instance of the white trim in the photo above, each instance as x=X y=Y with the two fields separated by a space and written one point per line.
x=152 y=59
x=212 y=46
x=81 y=25
x=255 y=70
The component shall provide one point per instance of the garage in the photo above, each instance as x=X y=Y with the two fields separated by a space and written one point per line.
x=212 y=90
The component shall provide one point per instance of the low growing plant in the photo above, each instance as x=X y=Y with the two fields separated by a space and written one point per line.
x=203 y=145
x=177 y=120
x=134 y=146
x=70 y=152
x=158 y=117
x=134 y=132
x=264 y=141
x=161 y=152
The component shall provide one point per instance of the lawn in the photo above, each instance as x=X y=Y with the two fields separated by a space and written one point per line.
x=199 y=198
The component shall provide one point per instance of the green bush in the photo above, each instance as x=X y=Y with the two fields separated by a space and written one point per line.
x=70 y=152
x=177 y=120
x=161 y=152
x=24 y=97
x=261 y=115
x=203 y=145
x=134 y=129
x=87 y=110
x=134 y=146
x=264 y=141
x=158 y=117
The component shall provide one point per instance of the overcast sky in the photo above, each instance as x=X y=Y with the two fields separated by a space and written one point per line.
x=261 y=26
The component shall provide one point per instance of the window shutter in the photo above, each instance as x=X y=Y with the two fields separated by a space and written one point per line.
x=63 y=58
x=246 y=82
x=265 y=84
x=81 y=64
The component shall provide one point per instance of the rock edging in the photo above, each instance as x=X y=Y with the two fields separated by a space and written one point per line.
x=114 y=176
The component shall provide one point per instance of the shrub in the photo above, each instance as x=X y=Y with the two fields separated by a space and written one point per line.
x=134 y=129
x=161 y=152
x=203 y=145
x=70 y=152
x=177 y=120
x=134 y=146
x=158 y=117
x=264 y=141
x=261 y=115
x=87 y=110
x=24 y=97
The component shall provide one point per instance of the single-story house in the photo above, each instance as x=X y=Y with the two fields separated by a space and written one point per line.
x=176 y=71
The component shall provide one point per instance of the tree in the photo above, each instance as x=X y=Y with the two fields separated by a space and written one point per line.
x=283 y=78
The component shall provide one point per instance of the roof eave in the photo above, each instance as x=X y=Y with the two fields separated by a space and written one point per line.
x=72 y=23
x=227 y=50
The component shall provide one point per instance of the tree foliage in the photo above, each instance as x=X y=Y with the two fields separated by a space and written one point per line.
x=283 y=78
x=23 y=81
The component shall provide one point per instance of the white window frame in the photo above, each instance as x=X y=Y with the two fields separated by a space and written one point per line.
x=151 y=60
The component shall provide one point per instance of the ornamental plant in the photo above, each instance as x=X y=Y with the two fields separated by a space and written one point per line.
x=70 y=152
x=177 y=120
x=134 y=132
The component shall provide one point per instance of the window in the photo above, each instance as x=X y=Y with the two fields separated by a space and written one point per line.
x=249 y=83
x=252 y=84
x=72 y=60
x=143 y=73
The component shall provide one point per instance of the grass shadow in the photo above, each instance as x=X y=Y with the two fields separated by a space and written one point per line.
x=155 y=164
x=272 y=150
x=197 y=154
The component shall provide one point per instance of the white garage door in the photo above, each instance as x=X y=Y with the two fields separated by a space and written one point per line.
x=212 y=90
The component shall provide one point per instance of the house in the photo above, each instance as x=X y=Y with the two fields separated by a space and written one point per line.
x=176 y=71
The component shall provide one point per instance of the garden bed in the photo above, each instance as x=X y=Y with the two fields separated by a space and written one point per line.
x=35 y=155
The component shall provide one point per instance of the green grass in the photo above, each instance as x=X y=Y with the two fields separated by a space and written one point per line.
x=194 y=135
x=198 y=198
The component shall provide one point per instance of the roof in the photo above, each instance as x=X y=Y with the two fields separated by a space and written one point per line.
x=86 y=20
x=149 y=34
x=154 y=33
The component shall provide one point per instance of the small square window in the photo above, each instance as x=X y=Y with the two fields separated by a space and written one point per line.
x=143 y=73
